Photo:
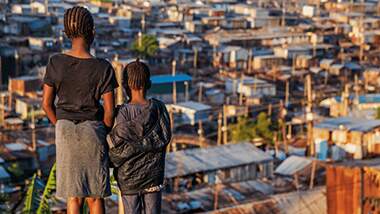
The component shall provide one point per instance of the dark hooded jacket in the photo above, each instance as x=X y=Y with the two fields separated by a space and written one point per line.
x=138 y=148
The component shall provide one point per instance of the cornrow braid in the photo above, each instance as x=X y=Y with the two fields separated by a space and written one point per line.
x=78 y=22
x=136 y=75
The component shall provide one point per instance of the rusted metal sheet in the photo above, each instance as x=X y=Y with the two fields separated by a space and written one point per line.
x=343 y=190
x=351 y=189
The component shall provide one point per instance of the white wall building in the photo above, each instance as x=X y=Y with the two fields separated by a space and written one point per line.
x=190 y=112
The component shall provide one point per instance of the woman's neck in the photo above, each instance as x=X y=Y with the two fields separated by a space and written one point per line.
x=79 y=48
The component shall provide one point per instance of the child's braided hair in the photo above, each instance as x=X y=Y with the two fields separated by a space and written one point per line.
x=136 y=75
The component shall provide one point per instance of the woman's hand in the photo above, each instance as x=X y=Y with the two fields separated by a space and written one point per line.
x=48 y=103
x=109 y=105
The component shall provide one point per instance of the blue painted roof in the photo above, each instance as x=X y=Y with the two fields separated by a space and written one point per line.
x=349 y=123
x=4 y=174
x=167 y=78
x=352 y=66
x=368 y=98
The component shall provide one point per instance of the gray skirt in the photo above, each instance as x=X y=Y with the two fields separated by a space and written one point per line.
x=82 y=160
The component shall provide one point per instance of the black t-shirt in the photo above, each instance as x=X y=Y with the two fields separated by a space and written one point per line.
x=79 y=85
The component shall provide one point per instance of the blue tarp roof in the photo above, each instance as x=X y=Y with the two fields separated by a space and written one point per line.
x=368 y=98
x=4 y=175
x=349 y=123
x=160 y=79
x=352 y=66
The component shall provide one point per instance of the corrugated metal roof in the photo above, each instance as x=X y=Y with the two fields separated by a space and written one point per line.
x=305 y=202
x=160 y=79
x=337 y=66
x=193 y=106
x=228 y=195
x=186 y=162
x=302 y=202
x=227 y=49
x=349 y=123
x=327 y=61
x=292 y=165
x=16 y=146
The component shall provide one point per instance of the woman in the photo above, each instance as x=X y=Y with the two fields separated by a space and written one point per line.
x=80 y=80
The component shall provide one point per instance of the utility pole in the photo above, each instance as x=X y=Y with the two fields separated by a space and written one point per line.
x=276 y=150
x=119 y=76
x=143 y=22
x=216 y=196
x=201 y=134
x=309 y=115
x=139 y=39
x=287 y=92
x=33 y=127
x=34 y=141
x=282 y=121
x=254 y=85
x=241 y=90
x=270 y=110
x=171 y=115
x=356 y=89
x=17 y=59
x=174 y=82
x=294 y=64
x=283 y=13
x=225 y=129
x=200 y=92
x=2 y=109
x=314 y=39
x=46 y=4
x=10 y=98
x=195 y=60
x=342 y=56
x=346 y=96
x=186 y=91
x=220 y=123
x=249 y=63
x=361 y=30
x=318 y=8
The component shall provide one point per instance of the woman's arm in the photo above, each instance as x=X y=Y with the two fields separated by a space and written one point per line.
x=48 y=103
x=109 y=108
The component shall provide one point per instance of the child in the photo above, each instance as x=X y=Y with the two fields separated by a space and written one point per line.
x=138 y=143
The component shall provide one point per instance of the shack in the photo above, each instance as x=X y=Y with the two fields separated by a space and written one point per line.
x=356 y=136
x=219 y=164
x=190 y=112
x=25 y=84
x=162 y=87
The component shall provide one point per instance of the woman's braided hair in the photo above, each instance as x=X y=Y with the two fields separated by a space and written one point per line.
x=78 y=22
x=136 y=75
